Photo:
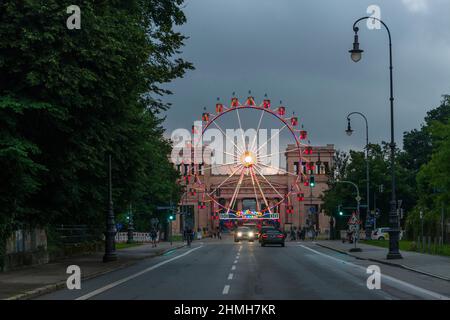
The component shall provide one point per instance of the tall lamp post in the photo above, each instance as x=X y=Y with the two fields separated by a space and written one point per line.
x=394 y=231
x=349 y=132
x=130 y=226
x=110 y=233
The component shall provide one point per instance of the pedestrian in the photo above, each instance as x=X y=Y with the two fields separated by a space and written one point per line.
x=188 y=235
x=153 y=236
x=219 y=235
x=292 y=235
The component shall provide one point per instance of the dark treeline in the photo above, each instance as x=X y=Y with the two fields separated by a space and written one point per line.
x=422 y=176
x=68 y=98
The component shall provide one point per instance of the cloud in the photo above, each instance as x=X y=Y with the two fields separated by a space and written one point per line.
x=416 y=5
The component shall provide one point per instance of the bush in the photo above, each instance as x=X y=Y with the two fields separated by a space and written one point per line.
x=413 y=246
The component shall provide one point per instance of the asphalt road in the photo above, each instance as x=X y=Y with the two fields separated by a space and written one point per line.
x=228 y=270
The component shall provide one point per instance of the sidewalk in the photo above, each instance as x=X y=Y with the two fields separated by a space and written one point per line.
x=32 y=281
x=436 y=266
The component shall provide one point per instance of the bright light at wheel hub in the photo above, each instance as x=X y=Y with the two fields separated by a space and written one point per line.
x=248 y=159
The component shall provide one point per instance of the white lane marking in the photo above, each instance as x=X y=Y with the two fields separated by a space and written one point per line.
x=240 y=248
x=226 y=289
x=233 y=267
x=116 y=283
x=230 y=276
x=235 y=261
x=435 y=295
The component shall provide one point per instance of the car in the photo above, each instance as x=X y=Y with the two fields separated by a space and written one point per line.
x=244 y=233
x=272 y=236
x=383 y=234
x=263 y=230
x=380 y=234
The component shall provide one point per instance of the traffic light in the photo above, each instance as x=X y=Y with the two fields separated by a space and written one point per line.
x=171 y=217
x=312 y=182
x=341 y=213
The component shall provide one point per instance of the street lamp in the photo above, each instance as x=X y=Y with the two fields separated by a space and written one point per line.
x=394 y=231
x=356 y=52
x=110 y=233
x=349 y=132
x=130 y=226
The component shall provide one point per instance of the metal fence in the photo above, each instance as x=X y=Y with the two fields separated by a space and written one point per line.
x=72 y=234
x=137 y=236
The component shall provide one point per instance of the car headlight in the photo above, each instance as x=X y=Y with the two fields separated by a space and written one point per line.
x=239 y=234
x=250 y=234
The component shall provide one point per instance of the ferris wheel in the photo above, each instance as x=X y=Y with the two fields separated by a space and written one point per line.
x=247 y=160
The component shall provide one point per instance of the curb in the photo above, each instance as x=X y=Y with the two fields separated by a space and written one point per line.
x=386 y=263
x=59 y=285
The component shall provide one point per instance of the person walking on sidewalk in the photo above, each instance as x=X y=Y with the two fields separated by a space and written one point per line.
x=153 y=236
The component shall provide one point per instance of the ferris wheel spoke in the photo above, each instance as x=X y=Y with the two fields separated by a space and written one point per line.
x=276 y=153
x=221 y=165
x=270 y=184
x=257 y=130
x=260 y=190
x=258 y=208
x=223 y=182
x=226 y=137
x=236 y=191
x=279 y=169
x=242 y=131
x=275 y=135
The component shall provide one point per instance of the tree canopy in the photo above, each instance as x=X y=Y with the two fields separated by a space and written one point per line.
x=68 y=98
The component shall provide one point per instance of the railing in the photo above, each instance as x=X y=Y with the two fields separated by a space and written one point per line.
x=137 y=237
x=72 y=234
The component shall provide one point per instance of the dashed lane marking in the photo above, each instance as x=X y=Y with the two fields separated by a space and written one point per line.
x=226 y=289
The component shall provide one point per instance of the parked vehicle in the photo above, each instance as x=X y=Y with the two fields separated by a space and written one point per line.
x=383 y=234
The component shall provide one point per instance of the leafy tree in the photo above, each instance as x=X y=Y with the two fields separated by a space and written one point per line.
x=68 y=98
x=429 y=176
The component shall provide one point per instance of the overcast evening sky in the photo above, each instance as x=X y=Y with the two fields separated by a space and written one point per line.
x=297 y=51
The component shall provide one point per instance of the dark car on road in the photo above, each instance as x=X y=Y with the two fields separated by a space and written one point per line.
x=272 y=236
x=263 y=230
x=244 y=233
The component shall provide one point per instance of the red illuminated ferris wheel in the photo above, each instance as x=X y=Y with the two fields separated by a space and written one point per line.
x=248 y=160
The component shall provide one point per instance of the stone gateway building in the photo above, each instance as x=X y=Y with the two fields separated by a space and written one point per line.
x=298 y=213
